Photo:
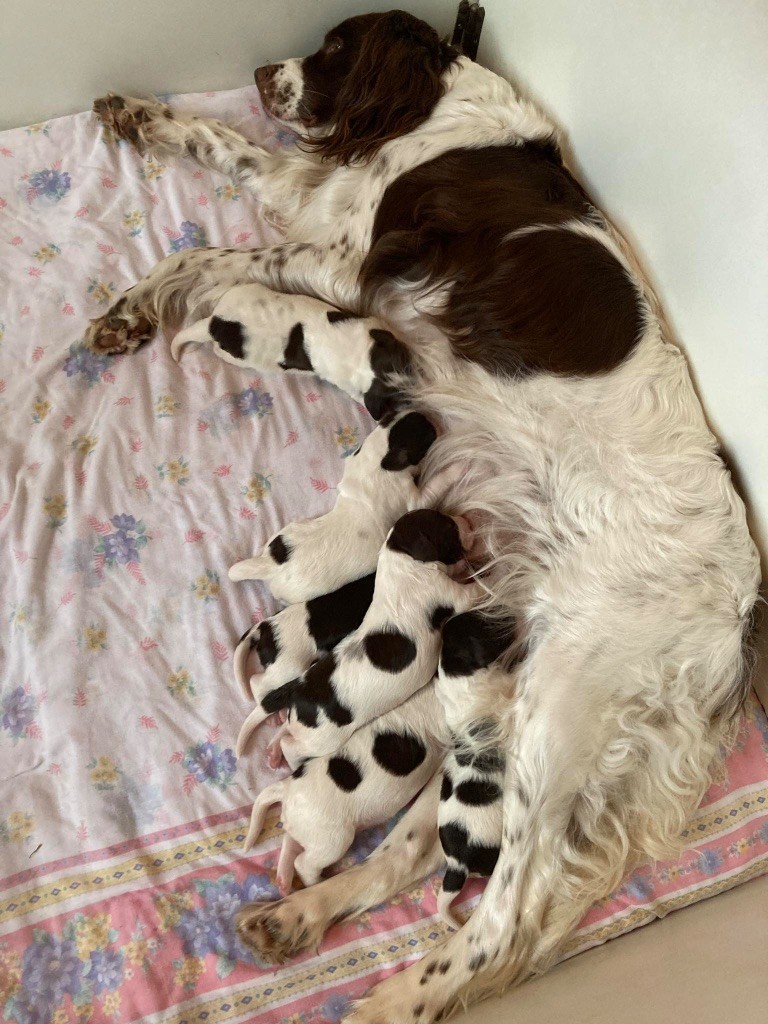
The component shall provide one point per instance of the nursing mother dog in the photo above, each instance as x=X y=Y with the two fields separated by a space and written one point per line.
x=431 y=196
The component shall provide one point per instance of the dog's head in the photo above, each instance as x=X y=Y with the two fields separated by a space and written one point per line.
x=376 y=77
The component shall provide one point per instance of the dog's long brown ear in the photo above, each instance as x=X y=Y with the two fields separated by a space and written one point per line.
x=392 y=88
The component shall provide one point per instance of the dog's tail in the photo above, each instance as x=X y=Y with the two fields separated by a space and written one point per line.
x=197 y=333
x=252 y=722
x=274 y=794
x=274 y=700
x=240 y=660
x=260 y=568
x=450 y=887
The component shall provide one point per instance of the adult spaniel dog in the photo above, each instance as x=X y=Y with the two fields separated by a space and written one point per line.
x=429 y=196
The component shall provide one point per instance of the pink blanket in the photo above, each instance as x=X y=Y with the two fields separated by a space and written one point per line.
x=127 y=487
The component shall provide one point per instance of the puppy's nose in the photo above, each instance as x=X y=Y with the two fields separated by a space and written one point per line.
x=266 y=73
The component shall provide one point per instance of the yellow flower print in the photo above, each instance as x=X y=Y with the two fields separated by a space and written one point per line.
x=188 y=972
x=101 y=290
x=84 y=1012
x=181 y=684
x=55 y=508
x=10 y=973
x=207 y=586
x=47 y=253
x=94 y=638
x=166 y=405
x=176 y=470
x=134 y=220
x=257 y=488
x=61 y=1016
x=20 y=826
x=742 y=845
x=111 y=1003
x=104 y=772
x=346 y=437
x=40 y=410
x=84 y=444
x=169 y=907
x=137 y=952
x=151 y=170
x=91 y=933
x=228 y=191
x=20 y=617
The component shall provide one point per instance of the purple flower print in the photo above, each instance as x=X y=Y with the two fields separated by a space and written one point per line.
x=18 y=711
x=206 y=762
x=29 y=1008
x=120 y=548
x=335 y=1006
x=709 y=862
x=124 y=522
x=105 y=970
x=51 y=969
x=192 y=235
x=84 y=362
x=49 y=183
x=201 y=932
x=253 y=402
x=210 y=928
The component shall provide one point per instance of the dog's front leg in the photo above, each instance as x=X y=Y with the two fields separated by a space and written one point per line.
x=277 y=931
x=277 y=179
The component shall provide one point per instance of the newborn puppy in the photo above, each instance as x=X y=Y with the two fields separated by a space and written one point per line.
x=307 y=558
x=327 y=799
x=395 y=650
x=289 y=642
x=249 y=328
x=470 y=813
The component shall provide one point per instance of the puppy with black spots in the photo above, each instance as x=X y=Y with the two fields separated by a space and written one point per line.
x=357 y=354
x=307 y=559
x=289 y=642
x=471 y=810
x=376 y=773
x=395 y=650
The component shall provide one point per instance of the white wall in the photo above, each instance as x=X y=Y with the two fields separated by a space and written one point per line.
x=666 y=106
x=57 y=55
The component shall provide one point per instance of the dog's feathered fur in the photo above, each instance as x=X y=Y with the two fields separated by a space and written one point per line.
x=616 y=538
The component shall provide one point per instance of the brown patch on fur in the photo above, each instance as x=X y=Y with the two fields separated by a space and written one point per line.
x=551 y=300
x=382 y=83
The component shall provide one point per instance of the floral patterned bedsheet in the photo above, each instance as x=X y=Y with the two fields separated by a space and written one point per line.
x=127 y=486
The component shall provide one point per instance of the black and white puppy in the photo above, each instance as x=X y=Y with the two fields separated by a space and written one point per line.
x=471 y=810
x=309 y=558
x=395 y=650
x=359 y=355
x=374 y=775
x=289 y=642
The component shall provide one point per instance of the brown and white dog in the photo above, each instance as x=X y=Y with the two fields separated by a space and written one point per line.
x=432 y=196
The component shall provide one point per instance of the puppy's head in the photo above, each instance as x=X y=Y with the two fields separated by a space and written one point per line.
x=472 y=641
x=429 y=536
x=376 y=77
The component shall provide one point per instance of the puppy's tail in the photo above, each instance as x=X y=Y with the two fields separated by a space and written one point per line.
x=274 y=794
x=240 y=660
x=252 y=722
x=260 y=568
x=274 y=700
x=196 y=333
x=450 y=887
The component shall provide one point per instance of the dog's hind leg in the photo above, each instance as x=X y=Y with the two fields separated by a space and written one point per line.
x=279 y=930
x=615 y=786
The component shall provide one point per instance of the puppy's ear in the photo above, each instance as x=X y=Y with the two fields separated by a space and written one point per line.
x=410 y=438
x=426 y=536
x=392 y=88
